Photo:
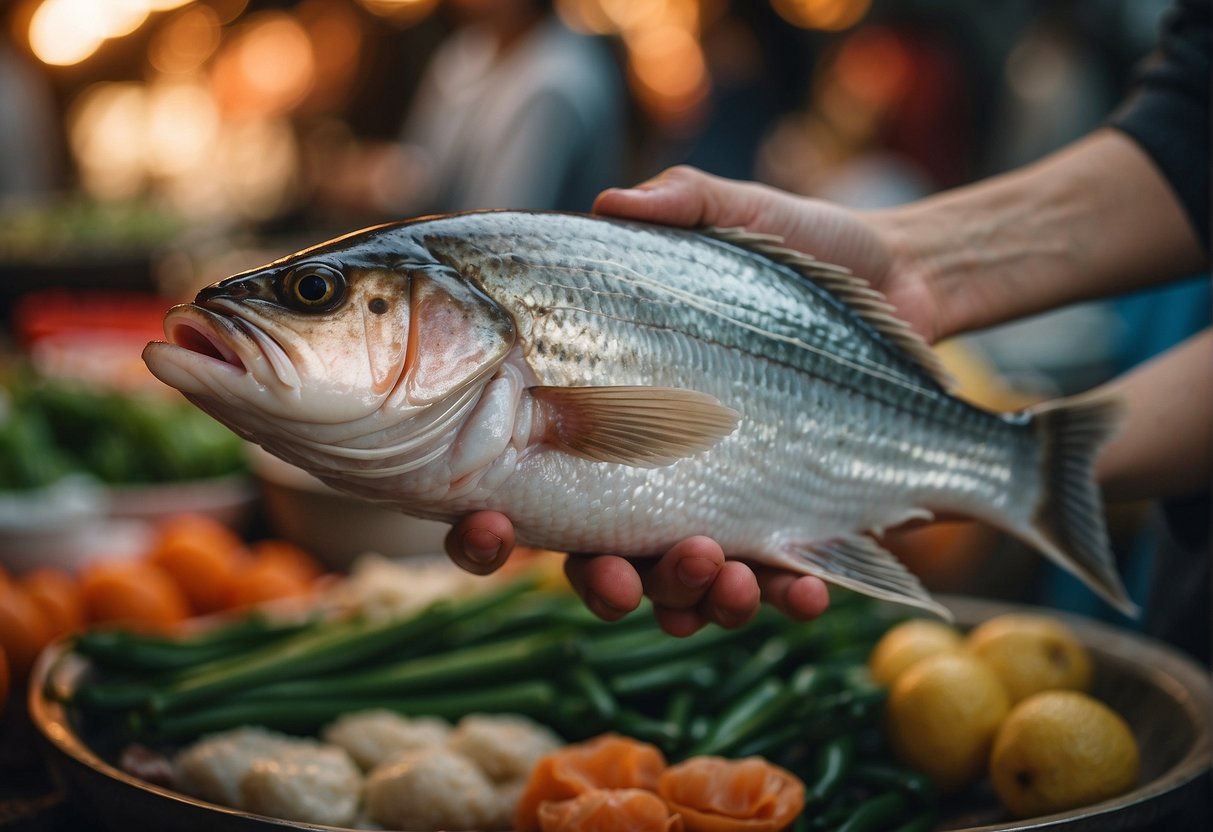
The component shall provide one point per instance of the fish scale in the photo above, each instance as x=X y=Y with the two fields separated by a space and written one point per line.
x=650 y=383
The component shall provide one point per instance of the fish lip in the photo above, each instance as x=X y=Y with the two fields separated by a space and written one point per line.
x=227 y=340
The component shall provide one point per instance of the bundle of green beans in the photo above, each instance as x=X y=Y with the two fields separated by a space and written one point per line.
x=797 y=693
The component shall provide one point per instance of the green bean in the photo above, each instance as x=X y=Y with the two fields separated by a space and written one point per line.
x=914 y=784
x=763 y=663
x=519 y=658
x=532 y=698
x=875 y=813
x=338 y=646
x=586 y=682
x=691 y=672
x=745 y=717
x=834 y=762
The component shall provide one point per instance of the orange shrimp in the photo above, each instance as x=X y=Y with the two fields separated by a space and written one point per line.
x=715 y=794
x=609 y=761
x=609 y=810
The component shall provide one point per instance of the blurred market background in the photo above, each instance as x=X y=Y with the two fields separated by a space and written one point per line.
x=149 y=147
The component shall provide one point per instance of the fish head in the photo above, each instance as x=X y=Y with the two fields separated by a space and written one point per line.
x=371 y=331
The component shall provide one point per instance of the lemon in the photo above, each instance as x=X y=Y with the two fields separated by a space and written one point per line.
x=906 y=643
x=1031 y=653
x=941 y=717
x=1059 y=750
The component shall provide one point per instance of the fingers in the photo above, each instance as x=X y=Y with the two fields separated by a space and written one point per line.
x=481 y=542
x=608 y=585
x=684 y=196
x=799 y=597
x=692 y=585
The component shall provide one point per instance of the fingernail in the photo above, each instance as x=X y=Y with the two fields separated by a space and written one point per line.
x=604 y=609
x=481 y=546
x=696 y=573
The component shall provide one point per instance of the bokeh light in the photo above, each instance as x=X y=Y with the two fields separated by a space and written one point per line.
x=266 y=67
x=826 y=15
x=66 y=32
x=186 y=40
x=402 y=12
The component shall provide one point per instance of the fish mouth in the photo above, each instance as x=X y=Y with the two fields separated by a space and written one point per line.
x=229 y=341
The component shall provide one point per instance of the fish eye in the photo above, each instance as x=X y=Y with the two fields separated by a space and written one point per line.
x=314 y=287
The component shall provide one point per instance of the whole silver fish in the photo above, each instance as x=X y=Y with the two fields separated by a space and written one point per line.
x=615 y=387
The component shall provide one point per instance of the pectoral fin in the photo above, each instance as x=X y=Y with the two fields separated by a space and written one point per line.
x=645 y=427
x=861 y=564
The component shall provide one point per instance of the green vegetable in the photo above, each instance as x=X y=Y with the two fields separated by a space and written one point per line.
x=835 y=760
x=878 y=813
x=797 y=693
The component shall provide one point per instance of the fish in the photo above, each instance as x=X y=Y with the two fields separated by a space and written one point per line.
x=617 y=386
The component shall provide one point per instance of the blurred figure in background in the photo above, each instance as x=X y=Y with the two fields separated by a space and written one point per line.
x=514 y=111
x=28 y=129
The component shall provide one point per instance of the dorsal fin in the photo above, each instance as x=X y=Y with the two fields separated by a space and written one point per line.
x=850 y=289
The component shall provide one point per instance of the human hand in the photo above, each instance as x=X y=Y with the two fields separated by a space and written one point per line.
x=690 y=585
x=865 y=243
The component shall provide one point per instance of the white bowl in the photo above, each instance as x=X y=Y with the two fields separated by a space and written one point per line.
x=337 y=527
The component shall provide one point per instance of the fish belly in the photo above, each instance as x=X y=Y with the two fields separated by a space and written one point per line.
x=810 y=462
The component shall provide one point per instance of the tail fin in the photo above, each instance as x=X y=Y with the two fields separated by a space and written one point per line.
x=1069 y=522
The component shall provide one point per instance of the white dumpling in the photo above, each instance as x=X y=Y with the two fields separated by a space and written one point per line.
x=311 y=783
x=375 y=736
x=212 y=767
x=431 y=789
x=505 y=746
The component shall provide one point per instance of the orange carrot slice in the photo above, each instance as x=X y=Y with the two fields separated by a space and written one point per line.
x=714 y=794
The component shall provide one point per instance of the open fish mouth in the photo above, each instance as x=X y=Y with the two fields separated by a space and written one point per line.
x=229 y=341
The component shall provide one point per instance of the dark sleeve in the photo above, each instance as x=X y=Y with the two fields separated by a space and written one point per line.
x=1167 y=112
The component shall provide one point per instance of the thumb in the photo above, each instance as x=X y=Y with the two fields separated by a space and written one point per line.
x=681 y=196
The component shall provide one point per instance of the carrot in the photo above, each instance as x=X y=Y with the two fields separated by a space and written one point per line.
x=715 y=794
x=57 y=594
x=609 y=810
x=24 y=631
x=608 y=761
x=202 y=555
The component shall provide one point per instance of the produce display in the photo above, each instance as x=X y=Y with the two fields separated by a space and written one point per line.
x=50 y=428
x=1008 y=700
x=420 y=697
x=794 y=699
x=193 y=566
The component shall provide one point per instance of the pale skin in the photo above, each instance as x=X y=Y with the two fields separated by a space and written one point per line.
x=1092 y=220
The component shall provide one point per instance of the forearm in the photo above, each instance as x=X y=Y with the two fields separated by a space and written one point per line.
x=1165 y=446
x=1092 y=220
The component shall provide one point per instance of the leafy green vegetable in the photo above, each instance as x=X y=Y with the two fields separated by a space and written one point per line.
x=51 y=427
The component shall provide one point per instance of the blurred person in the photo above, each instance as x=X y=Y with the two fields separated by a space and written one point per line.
x=28 y=128
x=514 y=110
x=1124 y=207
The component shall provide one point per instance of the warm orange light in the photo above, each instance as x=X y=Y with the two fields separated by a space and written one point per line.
x=181 y=124
x=267 y=68
x=336 y=34
x=185 y=41
x=828 y=15
x=404 y=12
x=669 y=70
x=65 y=32
x=106 y=133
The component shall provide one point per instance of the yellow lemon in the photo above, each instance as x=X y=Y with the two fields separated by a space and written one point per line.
x=941 y=717
x=1031 y=653
x=906 y=643
x=1059 y=750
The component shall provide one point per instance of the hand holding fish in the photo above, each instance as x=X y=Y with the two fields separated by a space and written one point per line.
x=690 y=585
x=639 y=388
x=891 y=250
